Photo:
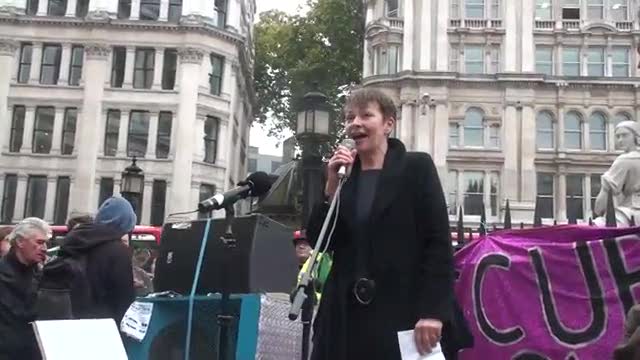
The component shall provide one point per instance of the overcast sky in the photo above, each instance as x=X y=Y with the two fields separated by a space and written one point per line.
x=259 y=138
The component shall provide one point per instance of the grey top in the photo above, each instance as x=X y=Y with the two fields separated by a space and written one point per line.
x=365 y=194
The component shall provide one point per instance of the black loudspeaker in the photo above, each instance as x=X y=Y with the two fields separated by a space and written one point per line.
x=263 y=260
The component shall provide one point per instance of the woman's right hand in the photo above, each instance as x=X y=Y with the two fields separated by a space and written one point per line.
x=342 y=157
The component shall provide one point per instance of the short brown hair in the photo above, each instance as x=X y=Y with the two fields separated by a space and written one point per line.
x=361 y=98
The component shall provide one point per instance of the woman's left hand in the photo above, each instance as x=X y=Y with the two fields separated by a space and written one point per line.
x=427 y=334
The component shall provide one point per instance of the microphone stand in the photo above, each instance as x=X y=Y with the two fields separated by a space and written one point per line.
x=305 y=288
x=225 y=317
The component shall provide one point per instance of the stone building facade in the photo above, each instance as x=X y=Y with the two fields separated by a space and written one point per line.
x=513 y=99
x=85 y=85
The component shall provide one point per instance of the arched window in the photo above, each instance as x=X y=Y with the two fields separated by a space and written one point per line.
x=545 y=130
x=620 y=117
x=473 y=127
x=573 y=130
x=598 y=131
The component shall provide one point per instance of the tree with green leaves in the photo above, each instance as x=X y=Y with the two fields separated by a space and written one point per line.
x=293 y=51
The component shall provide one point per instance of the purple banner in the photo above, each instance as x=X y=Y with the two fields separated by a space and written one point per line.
x=554 y=293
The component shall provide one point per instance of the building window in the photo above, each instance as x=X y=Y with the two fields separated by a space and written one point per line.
x=62 y=200
x=452 y=186
x=169 y=69
x=9 y=197
x=50 y=69
x=138 y=134
x=32 y=7
x=215 y=76
x=619 y=10
x=220 y=13
x=473 y=127
x=595 y=190
x=595 y=61
x=575 y=196
x=111 y=133
x=149 y=9
x=24 y=68
x=544 y=10
x=75 y=70
x=57 y=8
x=117 y=66
x=494 y=136
x=544 y=198
x=595 y=9
x=544 y=60
x=598 y=131
x=573 y=131
x=163 y=141
x=474 y=9
x=275 y=165
x=106 y=190
x=391 y=8
x=571 y=61
x=253 y=165
x=206 y=191
x=494 y=193
x=210 y=139
x=143 y=69
x=124 y=9
x=544 y=130
x=620 y=62
x=571 y=9
x=43 y=130
x=473 y=59
x=454 y=58
x=158 y=199
x=454 y=134
x=82 y=8
x=69 y=130
x=387 y=59
x=473 y=182
x=36 y=196
x=495 y=59
x=175 y=11
x=17 y=129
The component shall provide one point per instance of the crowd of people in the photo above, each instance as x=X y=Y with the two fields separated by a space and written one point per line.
x=90 y=277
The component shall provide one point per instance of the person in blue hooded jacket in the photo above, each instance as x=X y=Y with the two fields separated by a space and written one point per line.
x=108 y=259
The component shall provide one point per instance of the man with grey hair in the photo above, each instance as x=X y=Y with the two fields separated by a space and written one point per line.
x=19 y=274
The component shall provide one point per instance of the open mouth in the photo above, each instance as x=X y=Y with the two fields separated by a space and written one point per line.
x=357 y=137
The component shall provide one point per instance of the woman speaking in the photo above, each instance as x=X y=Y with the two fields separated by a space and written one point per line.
x=392 y=268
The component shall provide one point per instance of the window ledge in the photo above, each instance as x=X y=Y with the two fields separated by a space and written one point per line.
x=161 y=91
x=141 y=159
x=43 y=86
x=35 y=155
x=475 y=149
x=207 y=164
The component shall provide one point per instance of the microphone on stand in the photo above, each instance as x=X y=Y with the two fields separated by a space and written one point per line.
x=345 y=171
x=257 y=184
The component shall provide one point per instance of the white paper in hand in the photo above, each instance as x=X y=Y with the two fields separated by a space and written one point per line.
x=409 y=351
x=135 y=322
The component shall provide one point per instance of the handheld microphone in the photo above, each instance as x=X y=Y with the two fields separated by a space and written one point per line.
x=349 y=144
x=257 y=184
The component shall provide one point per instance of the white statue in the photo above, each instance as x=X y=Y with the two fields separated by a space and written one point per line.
x=622 y=179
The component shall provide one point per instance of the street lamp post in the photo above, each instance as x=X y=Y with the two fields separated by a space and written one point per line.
x=312 y=132
x=133 y=185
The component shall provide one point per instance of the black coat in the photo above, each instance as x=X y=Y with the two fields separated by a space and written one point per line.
x=109 y=269
x=18 y=292
x=411 y=261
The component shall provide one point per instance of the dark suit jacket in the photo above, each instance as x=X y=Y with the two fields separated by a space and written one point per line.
x=410 y=260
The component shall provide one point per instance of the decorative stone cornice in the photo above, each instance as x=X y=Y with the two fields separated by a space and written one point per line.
x=97 y=51
x=8 y=47
x=191 y=55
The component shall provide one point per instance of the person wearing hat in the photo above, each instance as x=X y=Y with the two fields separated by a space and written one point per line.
x=303 y=249
x=108 y=260
x=622 y=180
x=304 y=252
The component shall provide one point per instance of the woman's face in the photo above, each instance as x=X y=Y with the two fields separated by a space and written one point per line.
x=368 y=127
x=625 y=139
